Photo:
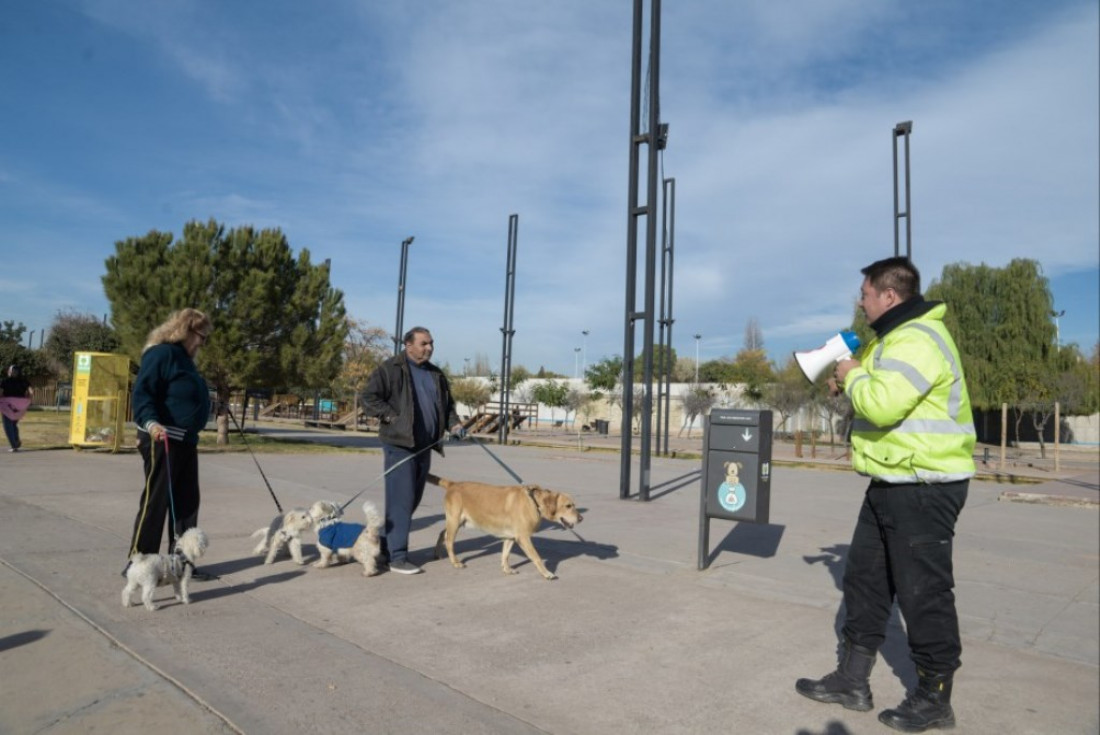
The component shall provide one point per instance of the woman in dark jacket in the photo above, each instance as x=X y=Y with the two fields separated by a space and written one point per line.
x=171 y=404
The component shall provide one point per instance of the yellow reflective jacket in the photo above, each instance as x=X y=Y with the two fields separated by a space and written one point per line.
x=913 y=421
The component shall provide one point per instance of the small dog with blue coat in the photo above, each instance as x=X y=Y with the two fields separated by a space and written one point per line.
x=343 y=541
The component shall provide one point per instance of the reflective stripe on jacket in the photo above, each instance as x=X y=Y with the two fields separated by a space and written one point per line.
x=913 y=421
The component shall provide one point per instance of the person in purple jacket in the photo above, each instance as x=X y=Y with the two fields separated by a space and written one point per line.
x=14 y=386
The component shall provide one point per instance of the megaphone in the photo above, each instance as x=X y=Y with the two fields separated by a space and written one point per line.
x=839 y=347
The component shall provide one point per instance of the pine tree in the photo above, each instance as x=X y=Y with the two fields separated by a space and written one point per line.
x=277 y=320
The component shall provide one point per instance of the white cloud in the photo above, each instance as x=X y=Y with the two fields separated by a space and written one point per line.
x=355 y=127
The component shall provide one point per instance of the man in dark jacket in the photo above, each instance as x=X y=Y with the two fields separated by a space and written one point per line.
x=412 y=401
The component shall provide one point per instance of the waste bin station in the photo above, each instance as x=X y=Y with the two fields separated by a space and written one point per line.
x=736 y=475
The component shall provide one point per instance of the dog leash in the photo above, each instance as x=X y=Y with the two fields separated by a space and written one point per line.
x=261 y=469
x=391 y=469
x=171 y=495
x=172 y=507
x=498 y=460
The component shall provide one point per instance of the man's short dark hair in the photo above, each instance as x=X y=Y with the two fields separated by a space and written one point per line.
x=411 y=334
x=897 y=273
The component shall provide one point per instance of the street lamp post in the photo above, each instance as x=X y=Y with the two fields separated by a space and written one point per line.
x=697 y=338
x=584 y=353
x=576 y=362
x=1057 y=330
x=400 y=328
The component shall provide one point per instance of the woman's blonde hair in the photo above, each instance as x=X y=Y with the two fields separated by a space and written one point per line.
x=177 y=326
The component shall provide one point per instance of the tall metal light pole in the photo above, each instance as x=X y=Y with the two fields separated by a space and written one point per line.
x=902 y=129
x=654 y=135
x=584 y=352
x=508 y=330
x=576 y=362
x=665 y=320
x=399 y=330
x=697 y=338
x=1057 y=331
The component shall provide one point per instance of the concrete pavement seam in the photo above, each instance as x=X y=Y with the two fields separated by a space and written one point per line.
x=439 y=682
x=123 y=647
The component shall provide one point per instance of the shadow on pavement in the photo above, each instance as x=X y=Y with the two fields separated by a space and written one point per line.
x=674 y=484
x=202 y=594
x=754 y=539
x=895 y=649
x=21 y=639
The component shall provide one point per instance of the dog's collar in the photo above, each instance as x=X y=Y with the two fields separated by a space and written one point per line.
x=179 y=563
x=531 y=494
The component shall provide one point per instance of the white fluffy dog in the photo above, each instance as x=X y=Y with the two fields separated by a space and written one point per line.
x=347 y=541
x=285 y=530
x=150 y=571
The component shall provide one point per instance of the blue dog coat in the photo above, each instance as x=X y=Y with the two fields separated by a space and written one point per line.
x=340 y=535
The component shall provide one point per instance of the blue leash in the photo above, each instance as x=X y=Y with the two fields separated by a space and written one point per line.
x=171 y=496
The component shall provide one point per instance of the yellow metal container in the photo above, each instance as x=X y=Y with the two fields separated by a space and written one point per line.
x=101 y=400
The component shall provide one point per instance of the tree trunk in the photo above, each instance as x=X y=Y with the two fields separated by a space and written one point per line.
x=222 y=413
x=1039 y=420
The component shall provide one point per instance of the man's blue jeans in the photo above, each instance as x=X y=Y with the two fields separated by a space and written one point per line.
x=404 y=490
x=901 y=548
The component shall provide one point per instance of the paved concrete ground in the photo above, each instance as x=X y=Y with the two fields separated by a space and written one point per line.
x=631 y=639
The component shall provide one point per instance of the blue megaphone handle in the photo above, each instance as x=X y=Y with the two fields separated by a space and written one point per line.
x=852 y=340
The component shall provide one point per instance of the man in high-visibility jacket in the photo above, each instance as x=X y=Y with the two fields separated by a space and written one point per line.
x=913 y=435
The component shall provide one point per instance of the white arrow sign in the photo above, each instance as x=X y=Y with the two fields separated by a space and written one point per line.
x=747 y=436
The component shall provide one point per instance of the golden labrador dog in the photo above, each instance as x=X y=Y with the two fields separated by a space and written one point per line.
x=509 y=512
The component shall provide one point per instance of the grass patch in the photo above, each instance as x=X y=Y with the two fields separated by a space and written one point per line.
x=44 y=429
x=208 y=442
x=48 y=429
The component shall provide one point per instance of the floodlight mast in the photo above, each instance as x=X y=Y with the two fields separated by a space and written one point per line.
x=902 y=129
x=399 y=329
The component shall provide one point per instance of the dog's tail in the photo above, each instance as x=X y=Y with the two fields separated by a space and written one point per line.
x=260 y=533
x=374 y=519
x=437 y=480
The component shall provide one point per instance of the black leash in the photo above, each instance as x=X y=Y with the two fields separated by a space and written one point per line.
x=261 y=469
x=391 y=469
x=498 y=460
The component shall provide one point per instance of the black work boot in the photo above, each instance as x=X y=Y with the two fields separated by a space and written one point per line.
x=848 y=685
x=927 y=708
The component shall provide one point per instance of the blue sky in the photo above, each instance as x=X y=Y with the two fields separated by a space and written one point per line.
x=351 y=125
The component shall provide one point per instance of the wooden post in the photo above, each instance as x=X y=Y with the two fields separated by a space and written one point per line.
x=1057 y=435
x=1004 y=433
